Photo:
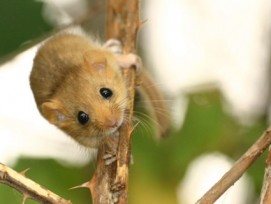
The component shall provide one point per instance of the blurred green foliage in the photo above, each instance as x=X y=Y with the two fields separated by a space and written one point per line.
x=20 y=23
x=206 y=129
x=158 y=167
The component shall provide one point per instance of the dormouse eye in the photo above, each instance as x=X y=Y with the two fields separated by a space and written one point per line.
x=106 y=93
x=82 y=117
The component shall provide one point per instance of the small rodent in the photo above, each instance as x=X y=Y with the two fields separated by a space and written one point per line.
x=78 y=86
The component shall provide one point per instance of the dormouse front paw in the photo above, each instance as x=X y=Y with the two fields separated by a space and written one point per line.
x=124 y=60
x=116 y=189
x=110 y=146
x=113 y=45
x=129 y=60
x=109 y=158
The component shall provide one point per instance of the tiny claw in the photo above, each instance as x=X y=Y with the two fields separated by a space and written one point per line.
x=24 y=171
x=115 y=197
x=110 y=145
x=84 y=185
x=117 y=189
x=109 y=158
x=110 y=161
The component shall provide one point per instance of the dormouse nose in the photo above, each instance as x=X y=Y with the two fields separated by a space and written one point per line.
x=111 y=122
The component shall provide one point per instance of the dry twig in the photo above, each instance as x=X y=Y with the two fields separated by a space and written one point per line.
x=266 y=188
x=238 y=169
x=28 y=188
x=110 y=183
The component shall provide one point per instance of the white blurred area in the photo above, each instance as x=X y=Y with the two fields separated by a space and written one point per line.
x=222 y=43
x=197 y=45
x=63 y=12
x=23 y=131
x=203 y=172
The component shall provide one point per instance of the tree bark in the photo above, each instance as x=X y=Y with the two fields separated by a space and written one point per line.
x=266 y=188
x=28 y=188
x=110 y=182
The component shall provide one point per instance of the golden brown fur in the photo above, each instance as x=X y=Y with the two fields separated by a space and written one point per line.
x=67 y=74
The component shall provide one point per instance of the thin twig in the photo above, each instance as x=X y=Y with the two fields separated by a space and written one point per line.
x=110 y=183
x=123 y=23
x=266 y=188
x=28 y=188
x=238 y=169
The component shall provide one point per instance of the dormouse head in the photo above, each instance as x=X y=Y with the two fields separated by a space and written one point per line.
x=91 y=102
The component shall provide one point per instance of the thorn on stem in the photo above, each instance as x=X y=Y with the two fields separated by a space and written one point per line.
x=141 y=23
x=84 y=185
x=24 y=171
x=25 y=197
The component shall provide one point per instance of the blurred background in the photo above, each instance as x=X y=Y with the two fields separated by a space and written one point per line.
x=212 y=60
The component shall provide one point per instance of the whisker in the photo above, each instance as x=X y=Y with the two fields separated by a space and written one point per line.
x=144 y=125
x=146 y=118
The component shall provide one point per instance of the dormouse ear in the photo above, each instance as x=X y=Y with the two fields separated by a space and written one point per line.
x=53 y=111
x=96 y=59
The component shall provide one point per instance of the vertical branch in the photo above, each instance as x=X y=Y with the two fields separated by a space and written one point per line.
x=266 y=188
x=123 y=23
x=109 y=183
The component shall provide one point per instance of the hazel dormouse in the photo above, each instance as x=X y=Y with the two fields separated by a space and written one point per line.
x=78 y=86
